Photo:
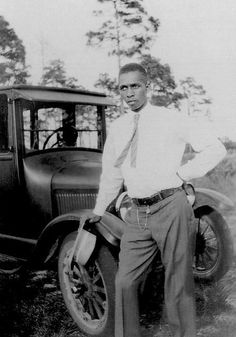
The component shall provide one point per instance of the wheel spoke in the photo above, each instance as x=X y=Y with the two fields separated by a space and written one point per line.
x=76 y=281
x=205 y=229
x=99 y=289
x=205 y=261
x=79 y=303
x=96 y=278
x=98 y=298
x=77 y=271
x=208 y=238
x=91 y=308
x=207 y=247
x=212 y=247
x=212 y=252
x=85 y=276
x=208 y=256
x=96 y=307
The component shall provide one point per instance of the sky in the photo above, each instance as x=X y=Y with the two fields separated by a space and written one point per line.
x=196 y=38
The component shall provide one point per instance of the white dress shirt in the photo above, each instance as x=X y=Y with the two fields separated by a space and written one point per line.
x=162 y=137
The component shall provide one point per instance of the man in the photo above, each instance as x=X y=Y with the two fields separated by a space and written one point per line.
x=144 y=150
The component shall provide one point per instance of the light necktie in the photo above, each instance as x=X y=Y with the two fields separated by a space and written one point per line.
x=132 y=143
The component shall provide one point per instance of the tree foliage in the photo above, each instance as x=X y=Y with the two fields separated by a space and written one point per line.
x=12 y=56
x=128 y=30
x=110 y=87
x=162 y=82
x=107 y=85
x=196 y=97
x=55 y=75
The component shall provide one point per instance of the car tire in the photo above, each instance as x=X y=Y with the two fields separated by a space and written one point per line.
x=214 y=246
x=89 y=291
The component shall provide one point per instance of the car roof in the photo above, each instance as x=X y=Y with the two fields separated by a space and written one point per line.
x=56 y=94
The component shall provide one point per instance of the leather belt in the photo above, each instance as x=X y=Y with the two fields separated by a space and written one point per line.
x=156 y=197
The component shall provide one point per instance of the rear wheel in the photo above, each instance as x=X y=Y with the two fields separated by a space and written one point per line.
x=214 y=246
x=88 y=291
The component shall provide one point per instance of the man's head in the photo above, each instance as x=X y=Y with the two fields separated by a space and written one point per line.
x=133 y=85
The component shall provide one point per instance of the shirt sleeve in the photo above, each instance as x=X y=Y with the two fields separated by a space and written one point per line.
x=209 y=150
x=111 y=178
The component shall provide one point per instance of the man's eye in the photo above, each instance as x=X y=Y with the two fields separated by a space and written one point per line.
x=135 y=86
x=123 y=88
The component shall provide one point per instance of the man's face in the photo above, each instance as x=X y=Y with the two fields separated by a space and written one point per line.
x=133 y=89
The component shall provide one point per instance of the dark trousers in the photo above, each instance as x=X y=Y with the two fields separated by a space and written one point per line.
x=169 y=227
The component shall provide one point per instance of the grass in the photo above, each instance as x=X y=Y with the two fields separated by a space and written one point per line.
x=32 y=306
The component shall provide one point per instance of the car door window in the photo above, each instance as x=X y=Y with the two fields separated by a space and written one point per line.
x=45 y=126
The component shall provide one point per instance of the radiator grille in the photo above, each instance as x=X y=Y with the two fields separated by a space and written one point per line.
x=67 y=201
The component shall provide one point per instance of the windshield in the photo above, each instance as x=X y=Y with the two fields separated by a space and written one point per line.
x=51 y=125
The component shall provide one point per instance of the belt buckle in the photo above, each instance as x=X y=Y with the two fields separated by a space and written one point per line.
x=145 y=202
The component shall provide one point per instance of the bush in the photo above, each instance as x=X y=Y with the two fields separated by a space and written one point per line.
x=222 y=178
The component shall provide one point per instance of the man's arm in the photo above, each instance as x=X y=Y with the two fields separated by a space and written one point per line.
x=209 y=151
x=111 y=181
x=111 y=178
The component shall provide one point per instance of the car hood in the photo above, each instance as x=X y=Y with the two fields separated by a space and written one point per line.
x=48 y=172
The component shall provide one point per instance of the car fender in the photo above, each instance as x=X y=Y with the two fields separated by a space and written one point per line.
x=110 y=228
x=49 y=238
x=212 y=198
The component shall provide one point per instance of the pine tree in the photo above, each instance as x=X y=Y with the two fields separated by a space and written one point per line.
x=55 y=75
x=128 y=31
x=13 y=69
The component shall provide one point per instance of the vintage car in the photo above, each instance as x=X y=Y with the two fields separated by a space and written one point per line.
x=43 y=174
x=51 y=142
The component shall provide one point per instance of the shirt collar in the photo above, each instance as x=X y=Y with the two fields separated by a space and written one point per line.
x=143 y=110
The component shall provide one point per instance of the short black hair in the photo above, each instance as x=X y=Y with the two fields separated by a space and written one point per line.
x=129 y=67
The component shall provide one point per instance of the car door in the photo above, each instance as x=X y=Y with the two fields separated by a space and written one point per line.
x=13 y=242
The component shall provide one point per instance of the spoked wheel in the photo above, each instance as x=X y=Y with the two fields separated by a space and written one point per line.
x=89 y=290
x=214 y=247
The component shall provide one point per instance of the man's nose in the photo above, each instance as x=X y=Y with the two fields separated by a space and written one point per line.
x=130 y=92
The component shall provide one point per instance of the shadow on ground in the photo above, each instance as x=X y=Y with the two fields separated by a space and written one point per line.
x=32 y=306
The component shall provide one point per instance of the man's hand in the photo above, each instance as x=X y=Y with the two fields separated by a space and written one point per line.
x=90 y=217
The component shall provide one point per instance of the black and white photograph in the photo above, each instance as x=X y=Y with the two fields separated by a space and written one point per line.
x=117 y=168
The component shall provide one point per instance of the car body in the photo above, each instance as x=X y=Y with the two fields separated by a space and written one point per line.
x=38 y=181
